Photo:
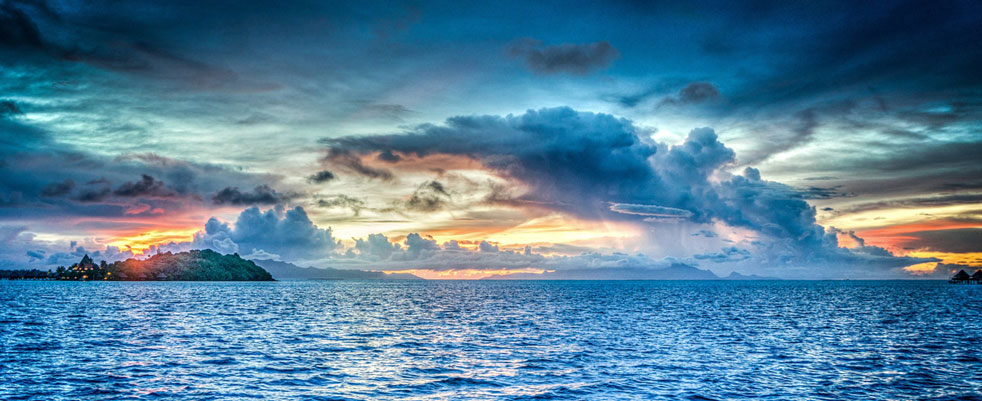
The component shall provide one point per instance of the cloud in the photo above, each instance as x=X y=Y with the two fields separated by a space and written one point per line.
x=597 y=166
x=9 y=108
x=146 y=187
x=55 y=189
x=59 y=187
x=698 y=92
x=260 y=195
x=416 y=244
x=345 y=160
x=342 y=201
x=915 y=202
x=94 y=191
x=652 y=211
x=45 y=36
x=568 y=58
x=430 y=196
x=21 y=249
x=376 y=246
x=568 y=158
x=485 y=246
x=289 y=234
x=452 y=245
x=17 y=30
x=389 y=112
x=728 y=254
x=802 y=130
x=693 y=93
x=814 y=192
x=705 y=233
x=321 y=177
x=954 y=240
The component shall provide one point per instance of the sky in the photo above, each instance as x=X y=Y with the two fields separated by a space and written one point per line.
x=454 y=140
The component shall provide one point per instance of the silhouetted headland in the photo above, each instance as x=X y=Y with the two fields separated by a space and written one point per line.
x=195 y=265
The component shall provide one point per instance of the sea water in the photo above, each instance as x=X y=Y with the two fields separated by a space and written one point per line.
x=334 y=340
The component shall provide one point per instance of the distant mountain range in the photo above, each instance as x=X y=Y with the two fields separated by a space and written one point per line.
x=738 y=276
x=678 y=271
x=290 y=271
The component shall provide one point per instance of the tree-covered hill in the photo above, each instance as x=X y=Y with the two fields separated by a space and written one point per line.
x=195 y=265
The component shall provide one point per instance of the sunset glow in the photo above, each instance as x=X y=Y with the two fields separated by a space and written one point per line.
x=141 y=242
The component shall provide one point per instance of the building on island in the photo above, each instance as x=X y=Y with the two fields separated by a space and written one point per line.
x=963 y=278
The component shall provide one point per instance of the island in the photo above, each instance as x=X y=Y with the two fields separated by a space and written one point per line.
x=194 y=265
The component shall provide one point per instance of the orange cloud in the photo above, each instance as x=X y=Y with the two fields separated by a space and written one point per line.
x=895 y=238
x=968 y=258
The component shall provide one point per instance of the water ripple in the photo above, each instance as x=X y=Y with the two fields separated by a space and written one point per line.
x=359 y=340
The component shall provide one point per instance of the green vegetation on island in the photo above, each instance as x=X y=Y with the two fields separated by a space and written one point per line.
x=195 y=265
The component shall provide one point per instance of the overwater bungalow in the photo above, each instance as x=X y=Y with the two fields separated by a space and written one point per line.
x=963 y=278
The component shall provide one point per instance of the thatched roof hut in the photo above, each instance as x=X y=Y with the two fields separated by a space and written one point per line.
x=961 y=276
x=977 y=276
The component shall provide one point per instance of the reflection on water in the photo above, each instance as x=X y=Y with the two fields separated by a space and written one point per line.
x=511 y=340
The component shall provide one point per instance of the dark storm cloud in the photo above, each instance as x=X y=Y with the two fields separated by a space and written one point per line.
x=260 y=195
x=693 y=93
x=698 y=92
x=9 y=108
x=388 y=156
x=94 y=191
x=321 y=177
x=876 y=54
x=98 y=37
x=17 y=29
x=147 y=186
x=565 y=58
x=55 y=189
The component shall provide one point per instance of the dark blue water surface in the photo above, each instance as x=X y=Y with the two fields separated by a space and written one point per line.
x=490 y=340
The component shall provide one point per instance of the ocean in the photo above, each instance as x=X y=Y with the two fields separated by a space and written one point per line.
x=513 y=340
